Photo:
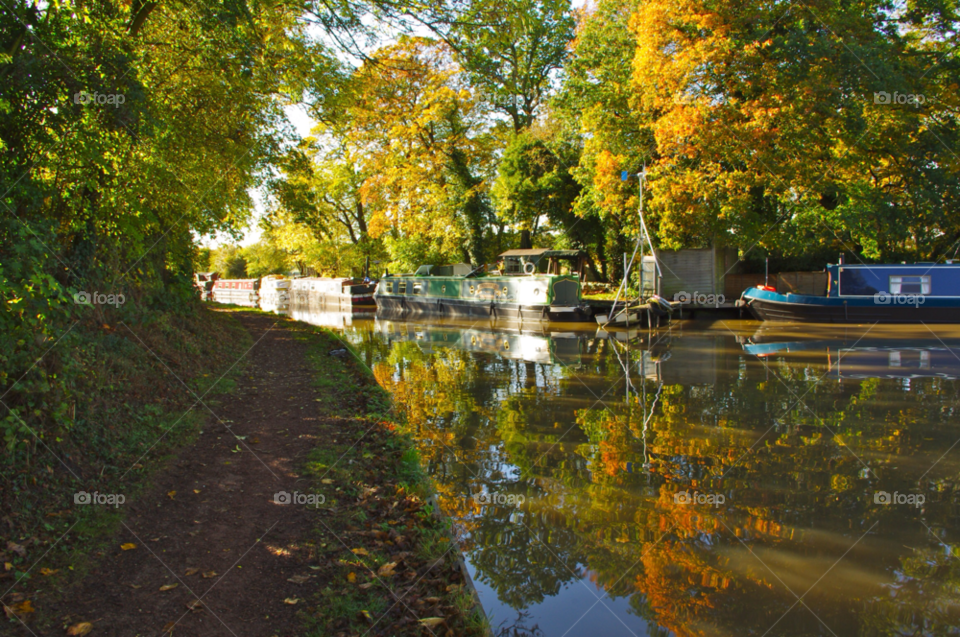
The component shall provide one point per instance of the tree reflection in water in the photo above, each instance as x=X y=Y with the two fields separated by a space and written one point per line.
x=797 y=451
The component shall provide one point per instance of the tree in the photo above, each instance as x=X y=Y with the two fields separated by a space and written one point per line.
x=509 y=48
x=595 y=105
x=782 y=126
x=416 y=133
x=535 y=183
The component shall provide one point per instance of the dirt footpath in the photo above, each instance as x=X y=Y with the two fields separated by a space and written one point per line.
x=207 y=552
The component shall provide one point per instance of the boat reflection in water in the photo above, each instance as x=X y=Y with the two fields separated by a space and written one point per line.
x=622 y=448
x=547 y=345
x=332 y=319
x=870 y=358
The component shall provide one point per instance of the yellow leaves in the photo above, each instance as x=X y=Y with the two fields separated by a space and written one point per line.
x=23 y=608
x=209 y=574
x=351 y=577
x=170 y=494
x=129 y=546
x=78 y=630
x=431 y=622
x=387 y=569
x=46 y=572
x=191 y=571
x=168 y=587
x=359 y=552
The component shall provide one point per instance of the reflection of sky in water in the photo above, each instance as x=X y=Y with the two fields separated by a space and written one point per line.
x=798 y=428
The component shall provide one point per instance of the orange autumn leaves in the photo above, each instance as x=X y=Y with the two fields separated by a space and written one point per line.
x=760 y=122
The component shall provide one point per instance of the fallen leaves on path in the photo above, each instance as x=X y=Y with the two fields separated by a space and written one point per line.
x=23 y=608
x=77 y=630
x=387 y=569
x=168 y=587
x=128 y=546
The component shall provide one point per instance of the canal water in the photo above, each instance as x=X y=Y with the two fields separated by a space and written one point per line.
x=726 y=478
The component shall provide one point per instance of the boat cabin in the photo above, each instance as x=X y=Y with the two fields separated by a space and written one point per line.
x=543 y=261
x=917 y=279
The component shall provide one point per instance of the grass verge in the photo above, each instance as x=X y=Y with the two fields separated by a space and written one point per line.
x=139 y=382
x=386 y=560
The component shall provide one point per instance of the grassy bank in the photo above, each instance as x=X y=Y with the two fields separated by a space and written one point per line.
x=129 y=391
x=385 y=557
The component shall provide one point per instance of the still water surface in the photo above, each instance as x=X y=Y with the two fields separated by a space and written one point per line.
x=714 y=479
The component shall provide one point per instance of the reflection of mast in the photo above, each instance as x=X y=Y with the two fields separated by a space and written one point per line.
x=647 y=415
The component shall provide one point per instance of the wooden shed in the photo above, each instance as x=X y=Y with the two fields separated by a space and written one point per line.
x=696 y=271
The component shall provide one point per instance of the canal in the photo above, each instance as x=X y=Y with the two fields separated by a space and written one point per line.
x=726 y=478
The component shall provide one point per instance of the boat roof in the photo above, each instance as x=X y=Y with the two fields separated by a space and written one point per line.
x=543 y=252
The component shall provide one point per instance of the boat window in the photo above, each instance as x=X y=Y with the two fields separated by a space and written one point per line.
x=910 y=284
x=403 y=287
x=418 y=287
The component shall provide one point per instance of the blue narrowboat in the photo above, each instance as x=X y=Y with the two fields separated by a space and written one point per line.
x=861 y=293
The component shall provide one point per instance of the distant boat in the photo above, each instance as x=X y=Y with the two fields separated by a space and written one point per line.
x=275 y=294
x=316 y=294
x=237 y=291
x=531 y=286
x=888 y=293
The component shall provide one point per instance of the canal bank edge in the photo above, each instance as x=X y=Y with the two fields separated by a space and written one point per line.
x=437 y=595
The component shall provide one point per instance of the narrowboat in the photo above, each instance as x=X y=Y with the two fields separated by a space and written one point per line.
x=886 y=293
x=275 y=295
x=203 y=282
x=237 y=291
x=532 y=285
x=313 y=294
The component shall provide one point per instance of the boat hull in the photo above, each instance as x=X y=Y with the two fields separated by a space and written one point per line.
x=771 y=306
x=453 y=308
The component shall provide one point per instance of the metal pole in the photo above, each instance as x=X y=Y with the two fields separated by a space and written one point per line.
x=626 y=280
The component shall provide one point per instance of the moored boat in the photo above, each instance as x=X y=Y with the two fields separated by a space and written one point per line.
x=274 y=294
x=532 y=285
x=203 y=282
x=860 y=293
x=314 y=294
x=237 y=291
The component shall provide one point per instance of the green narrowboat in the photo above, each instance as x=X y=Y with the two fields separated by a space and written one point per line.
x=532 y=284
